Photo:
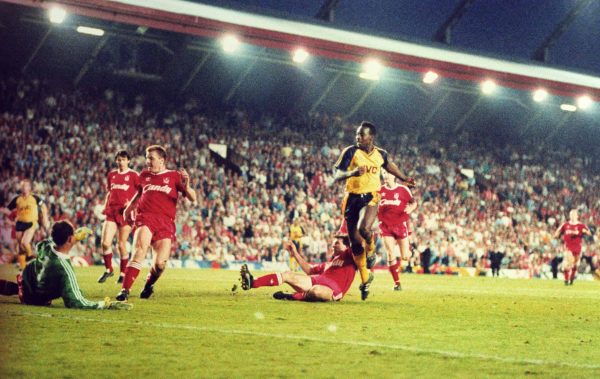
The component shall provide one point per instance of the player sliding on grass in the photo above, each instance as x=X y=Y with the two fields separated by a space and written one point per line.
x=327 y=281
x=51 y=276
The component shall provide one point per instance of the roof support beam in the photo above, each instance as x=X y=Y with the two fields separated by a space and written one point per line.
x=444 y=33
x=466 y=116
x=362 y=100
x=195 y=71
x=243 y=76
x=36 y=50
x=542 y=53
x=90 y=60
x=327 y=11
x=325 y=92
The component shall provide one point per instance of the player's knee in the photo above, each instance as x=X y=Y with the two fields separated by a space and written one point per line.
x=319 y=293
x=364 y=233
x=106 y=245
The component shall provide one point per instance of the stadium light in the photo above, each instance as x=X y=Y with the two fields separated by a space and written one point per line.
x=91 y=31
x=300 y=55
x=57 y=15
x=584 y=102
x=540 y=95
x=430 y=77
x=568 y=107
x=488 y=87
x=230 y=43
x=371 y=70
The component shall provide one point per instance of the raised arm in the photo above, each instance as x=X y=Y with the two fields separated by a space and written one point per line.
x=301 y=261
x=188 y=191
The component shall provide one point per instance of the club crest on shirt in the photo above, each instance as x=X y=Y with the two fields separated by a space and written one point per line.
x=396 y=196
x=147 y=179
x=127 y=178
x=166 y=180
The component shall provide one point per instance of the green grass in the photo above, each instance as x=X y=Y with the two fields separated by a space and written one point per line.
x=195 y=327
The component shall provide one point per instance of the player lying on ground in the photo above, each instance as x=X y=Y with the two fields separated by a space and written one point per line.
x=327 y=281
x=51 y=276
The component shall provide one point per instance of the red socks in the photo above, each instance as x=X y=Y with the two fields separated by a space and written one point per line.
x=123 y=265
x=300 y=296
x=394 y=271
x=270 y=280
x=131 y=274
x=108 y=260
x=567 y=272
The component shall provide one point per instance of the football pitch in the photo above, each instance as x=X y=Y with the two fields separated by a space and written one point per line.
x=195 y=326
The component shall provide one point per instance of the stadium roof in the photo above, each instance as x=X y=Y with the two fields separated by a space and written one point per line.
x=174 y=46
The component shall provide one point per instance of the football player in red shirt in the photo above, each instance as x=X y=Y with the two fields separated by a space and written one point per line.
x=328 y=281
x=572 y=232
x=121 y=185
x=154 y=206
x=394 y=207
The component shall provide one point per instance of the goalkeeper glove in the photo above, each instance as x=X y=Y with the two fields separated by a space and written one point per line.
x=118 y=305
x=82 y=233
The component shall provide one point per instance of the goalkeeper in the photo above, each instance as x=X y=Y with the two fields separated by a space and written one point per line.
x=51 y=276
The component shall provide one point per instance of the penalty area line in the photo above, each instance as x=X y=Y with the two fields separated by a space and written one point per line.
x=412 y=349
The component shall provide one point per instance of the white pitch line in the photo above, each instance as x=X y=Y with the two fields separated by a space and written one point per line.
x=413 y=349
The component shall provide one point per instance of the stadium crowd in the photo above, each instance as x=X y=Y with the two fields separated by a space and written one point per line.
x=475 y=196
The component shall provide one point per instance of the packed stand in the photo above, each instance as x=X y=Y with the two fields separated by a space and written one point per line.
x=474 y=197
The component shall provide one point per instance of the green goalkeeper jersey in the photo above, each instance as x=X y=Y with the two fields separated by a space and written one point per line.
x=51 y=276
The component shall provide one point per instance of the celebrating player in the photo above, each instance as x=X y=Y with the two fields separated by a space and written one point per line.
x=154 y=205
x=121 y=185
x=394 y=207
x=51 y=276
x=28 y=207
x=327 y=281
x=360 y=165
x=572 y=232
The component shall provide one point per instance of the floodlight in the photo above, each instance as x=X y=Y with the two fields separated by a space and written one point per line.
x=230 y=43
x=430 y=77
x=371 y=69
x=488 y=87
x=57 y=15
x=584 y=102
x=540 y=95
x=300 y=55
x=91 y=31
x=568 y=107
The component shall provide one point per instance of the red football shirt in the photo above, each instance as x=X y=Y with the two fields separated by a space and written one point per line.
x=393 y=203
x=121 y=186
x=159 y=192
x=572 y=236
x=340 y=269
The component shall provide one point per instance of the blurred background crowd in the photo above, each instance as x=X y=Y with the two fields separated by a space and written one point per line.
x=475 y=196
